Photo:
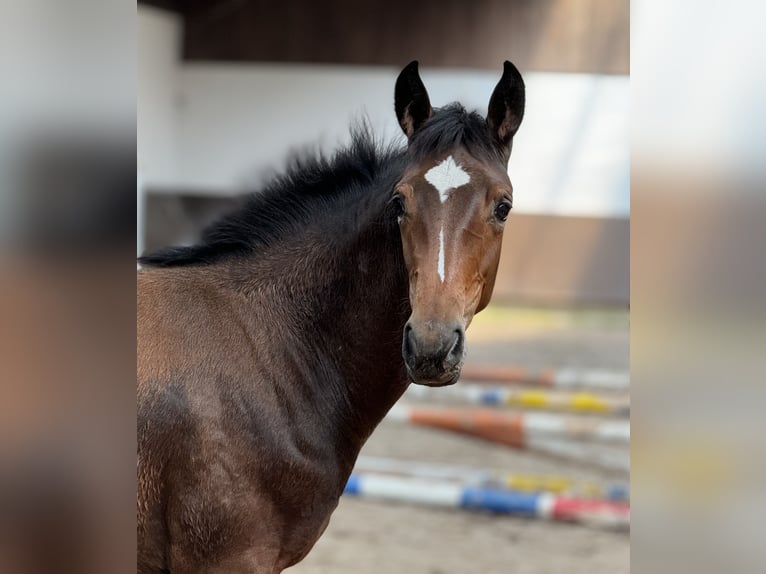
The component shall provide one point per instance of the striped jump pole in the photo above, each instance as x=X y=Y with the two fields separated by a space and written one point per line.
x=600 y=513
x=521 y=430
x=593 y=455
x=580 y=402
x=481 y=477
x=595 y=379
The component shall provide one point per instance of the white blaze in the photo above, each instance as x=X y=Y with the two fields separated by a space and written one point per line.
x=440 y=267
x=445 y=177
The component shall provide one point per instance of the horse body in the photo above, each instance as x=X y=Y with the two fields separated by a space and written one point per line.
x=268 y=353
x=253 y=408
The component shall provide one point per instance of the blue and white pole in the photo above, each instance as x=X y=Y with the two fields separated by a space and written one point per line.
x=498 y=500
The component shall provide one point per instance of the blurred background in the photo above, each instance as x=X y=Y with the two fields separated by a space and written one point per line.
x=228 y=90
x=72 y=75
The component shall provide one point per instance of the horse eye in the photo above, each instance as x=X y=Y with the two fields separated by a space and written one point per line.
x=398 y=205
x=502 y=210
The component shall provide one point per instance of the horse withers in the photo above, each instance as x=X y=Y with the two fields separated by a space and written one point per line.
x=269 y=352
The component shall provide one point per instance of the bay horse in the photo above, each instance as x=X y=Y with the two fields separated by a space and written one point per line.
x=269 y=352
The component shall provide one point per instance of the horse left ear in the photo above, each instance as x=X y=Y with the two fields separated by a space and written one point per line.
x=411 y=101
x=506 y=107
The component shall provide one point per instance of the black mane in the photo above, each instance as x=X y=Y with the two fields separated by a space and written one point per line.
x=306 y=190
x=312 y=184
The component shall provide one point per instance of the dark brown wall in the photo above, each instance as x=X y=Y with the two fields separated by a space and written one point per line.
x=543 y=35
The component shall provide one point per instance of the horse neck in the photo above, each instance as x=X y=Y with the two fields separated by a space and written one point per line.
x=340 y=294
x=366 y=323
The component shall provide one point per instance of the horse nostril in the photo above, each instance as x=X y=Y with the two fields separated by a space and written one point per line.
x=456 y=350
x=408 y=341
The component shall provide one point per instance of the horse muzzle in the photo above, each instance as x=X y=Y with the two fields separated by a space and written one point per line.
x=433 y=352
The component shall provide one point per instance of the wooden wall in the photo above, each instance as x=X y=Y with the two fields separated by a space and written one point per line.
x=554 y=260
x=543 y=35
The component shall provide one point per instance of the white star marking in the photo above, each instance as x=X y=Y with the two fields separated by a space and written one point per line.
x=446 y=176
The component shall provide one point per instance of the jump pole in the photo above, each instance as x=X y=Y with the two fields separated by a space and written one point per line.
x=481 y=477
x=579 y=402
x=600 y=513
x=590 y=454
x=514 y=429
x=596 y=379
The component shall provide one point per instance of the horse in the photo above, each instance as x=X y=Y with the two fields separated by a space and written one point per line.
x=269 y=351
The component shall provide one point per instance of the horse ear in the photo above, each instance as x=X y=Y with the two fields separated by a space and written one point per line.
x=411 y=101
x=506 y=107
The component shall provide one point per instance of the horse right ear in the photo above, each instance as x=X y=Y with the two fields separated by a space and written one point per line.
x=506 y=107
x=411 y=101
